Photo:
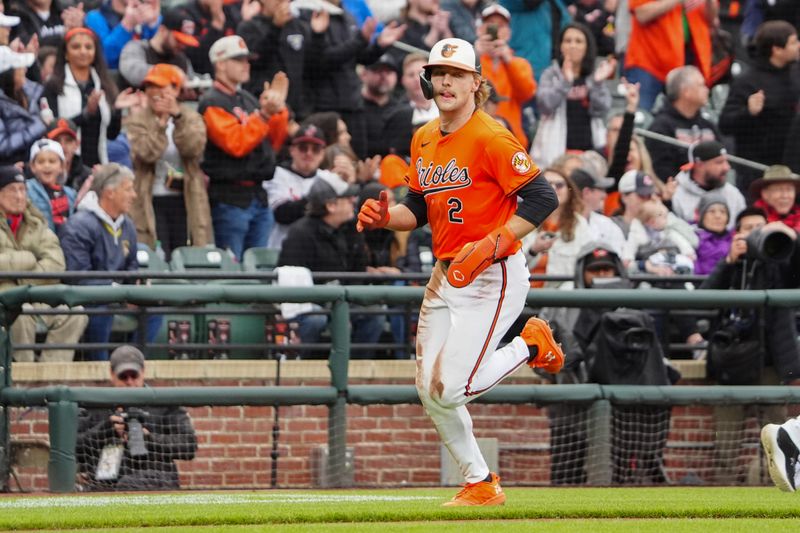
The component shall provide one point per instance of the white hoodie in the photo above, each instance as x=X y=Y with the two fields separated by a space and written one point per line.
x=687 y=197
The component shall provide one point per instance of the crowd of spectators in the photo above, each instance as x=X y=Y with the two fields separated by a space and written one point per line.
x=257 y=124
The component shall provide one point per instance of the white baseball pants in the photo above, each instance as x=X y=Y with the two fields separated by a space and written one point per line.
x=457 y=356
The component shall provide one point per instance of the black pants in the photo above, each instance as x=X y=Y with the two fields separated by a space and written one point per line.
x=170 y=222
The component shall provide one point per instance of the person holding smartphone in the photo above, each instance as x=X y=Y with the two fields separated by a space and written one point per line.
x=511 y=76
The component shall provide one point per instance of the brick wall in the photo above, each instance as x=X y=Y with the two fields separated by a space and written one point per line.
x=392 y=444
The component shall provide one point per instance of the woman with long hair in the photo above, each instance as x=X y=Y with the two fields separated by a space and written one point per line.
x=82 y=89
x=553 y=247
x=20 y=124
x=572 y=98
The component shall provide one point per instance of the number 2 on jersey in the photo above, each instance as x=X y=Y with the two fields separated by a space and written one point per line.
x=454 y=213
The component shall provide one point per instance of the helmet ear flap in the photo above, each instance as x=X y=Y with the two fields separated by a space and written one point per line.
x=426 y=84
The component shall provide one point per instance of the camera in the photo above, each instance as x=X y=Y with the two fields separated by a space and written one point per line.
x=491 y=31
x=133 y=418
x=774 y=245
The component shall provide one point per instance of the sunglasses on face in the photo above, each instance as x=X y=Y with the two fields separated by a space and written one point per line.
x=557 y=185
x=128 y=376
x=309 y=148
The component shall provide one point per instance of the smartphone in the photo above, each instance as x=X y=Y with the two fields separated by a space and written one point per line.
x=491 y=31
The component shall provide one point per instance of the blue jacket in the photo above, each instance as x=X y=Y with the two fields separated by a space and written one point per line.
x=532 y=32
x=106 y=24
x=91 y=244
x=41 y=200
x=18 y=130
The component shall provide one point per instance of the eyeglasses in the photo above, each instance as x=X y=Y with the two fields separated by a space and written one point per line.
x=306 y=148
x=128 y=376
x=557 y=185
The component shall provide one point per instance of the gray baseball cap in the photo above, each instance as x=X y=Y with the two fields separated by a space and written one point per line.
x=126 y=358
x=584 y=179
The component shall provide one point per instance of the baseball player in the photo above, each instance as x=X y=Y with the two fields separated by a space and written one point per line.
x=465 y=176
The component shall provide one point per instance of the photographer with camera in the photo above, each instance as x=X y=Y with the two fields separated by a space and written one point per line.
x=753 y=346
x=131 y=448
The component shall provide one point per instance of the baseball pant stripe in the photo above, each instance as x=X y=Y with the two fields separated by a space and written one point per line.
x=489 y=335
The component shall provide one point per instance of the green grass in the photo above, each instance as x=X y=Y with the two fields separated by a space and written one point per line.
x=414 y=510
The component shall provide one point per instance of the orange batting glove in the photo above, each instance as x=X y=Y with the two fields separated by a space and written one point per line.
x=475 y=257
x=374 y=214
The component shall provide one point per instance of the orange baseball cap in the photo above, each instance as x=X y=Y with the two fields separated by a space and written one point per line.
x=164 y=74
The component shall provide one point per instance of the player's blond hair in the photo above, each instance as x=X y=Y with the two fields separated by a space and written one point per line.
x=483 y=93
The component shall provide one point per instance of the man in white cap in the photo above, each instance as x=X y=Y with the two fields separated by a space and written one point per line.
x=466 y=174
x=18 y=127
x=243 y=132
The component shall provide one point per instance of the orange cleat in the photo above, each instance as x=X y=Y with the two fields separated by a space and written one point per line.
x=480 y=493
x=545 y=352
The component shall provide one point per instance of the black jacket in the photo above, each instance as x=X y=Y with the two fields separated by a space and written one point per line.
x=335 y=86
x=780 y=332
x=667 y=159
x=207 y=34
x=88 y=123
x=761 y=138
x=313 y=244
x=234 y=180
x=281 y=49
x=51 y=31
x=171 y=436
x=388 y=128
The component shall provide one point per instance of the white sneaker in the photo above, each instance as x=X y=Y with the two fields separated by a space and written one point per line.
x=782 y=455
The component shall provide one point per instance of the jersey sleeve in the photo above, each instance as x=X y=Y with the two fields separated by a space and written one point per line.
x=411 y=174
x=509 y=163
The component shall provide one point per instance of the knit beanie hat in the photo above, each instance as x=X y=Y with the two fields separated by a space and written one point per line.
x=707 y=200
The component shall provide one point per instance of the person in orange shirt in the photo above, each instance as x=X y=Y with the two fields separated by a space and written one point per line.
x=511 y=76
x=666 y=34
x=466 y=174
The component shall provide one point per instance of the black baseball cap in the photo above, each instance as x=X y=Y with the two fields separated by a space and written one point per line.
x=600 y=257
x=309 y=134
x=182 y=26
x=706 y=150
x=329 y=186
x=9 y=175
x=386 y=60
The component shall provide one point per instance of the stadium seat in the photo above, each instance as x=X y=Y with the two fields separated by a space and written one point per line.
x=260 y=259
x=187 y=258
x=149 y=260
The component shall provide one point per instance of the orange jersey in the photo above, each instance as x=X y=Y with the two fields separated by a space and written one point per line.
x=469 y=179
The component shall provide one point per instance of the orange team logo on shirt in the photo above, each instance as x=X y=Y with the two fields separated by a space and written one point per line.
x=449 y=50
x=439 y=179
x=521 y=163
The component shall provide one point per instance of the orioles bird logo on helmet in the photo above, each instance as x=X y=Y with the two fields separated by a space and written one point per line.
x=449 y=50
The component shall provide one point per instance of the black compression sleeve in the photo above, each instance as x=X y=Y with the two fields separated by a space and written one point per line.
x=538 y=201
x=415 y=202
